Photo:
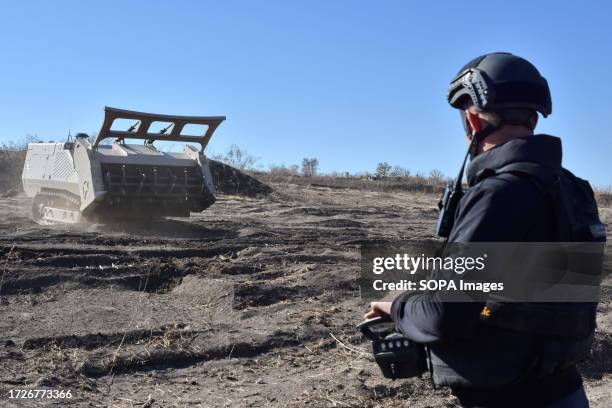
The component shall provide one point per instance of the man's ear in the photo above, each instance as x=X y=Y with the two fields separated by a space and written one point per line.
x=474 y=121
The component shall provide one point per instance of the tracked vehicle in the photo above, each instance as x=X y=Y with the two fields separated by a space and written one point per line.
x=86 y=178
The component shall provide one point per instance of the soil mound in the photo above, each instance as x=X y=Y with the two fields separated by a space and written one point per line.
x=230 y=180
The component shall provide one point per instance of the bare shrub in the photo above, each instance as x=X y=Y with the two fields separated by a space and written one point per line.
x=282 y=170
x=238 y=158
x=436 y=177
x=399 y=171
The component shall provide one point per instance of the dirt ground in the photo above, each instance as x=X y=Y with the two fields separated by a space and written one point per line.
x=251 y=303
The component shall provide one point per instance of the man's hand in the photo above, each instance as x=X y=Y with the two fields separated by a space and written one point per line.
x=378 y=309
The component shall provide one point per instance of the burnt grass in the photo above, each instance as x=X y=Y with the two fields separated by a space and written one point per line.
x=252 y=303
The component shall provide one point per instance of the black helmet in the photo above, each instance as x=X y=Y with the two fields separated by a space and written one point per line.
x=500 y=81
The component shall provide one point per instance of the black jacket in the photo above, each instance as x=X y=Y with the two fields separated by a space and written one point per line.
x=500 y=208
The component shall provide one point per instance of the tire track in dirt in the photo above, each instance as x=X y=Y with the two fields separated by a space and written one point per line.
x=193 y=355
x=34 y=252
x=93 y=341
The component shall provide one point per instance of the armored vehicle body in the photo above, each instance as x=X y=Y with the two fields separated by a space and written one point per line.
x=102 y=181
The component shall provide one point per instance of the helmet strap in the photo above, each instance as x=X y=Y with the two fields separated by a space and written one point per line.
x=471 y=152
x=481 y=135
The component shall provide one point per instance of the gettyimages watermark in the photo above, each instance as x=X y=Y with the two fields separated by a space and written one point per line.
x=508 y=271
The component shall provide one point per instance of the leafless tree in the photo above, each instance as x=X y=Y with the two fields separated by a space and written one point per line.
x=309 y=167
x=383 y=169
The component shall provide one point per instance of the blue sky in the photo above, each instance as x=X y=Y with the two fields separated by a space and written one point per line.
x=349 y=82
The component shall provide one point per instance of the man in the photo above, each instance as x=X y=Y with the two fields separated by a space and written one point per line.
x=499 y=96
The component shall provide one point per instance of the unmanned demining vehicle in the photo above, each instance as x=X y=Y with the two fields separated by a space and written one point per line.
x=105 y=181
